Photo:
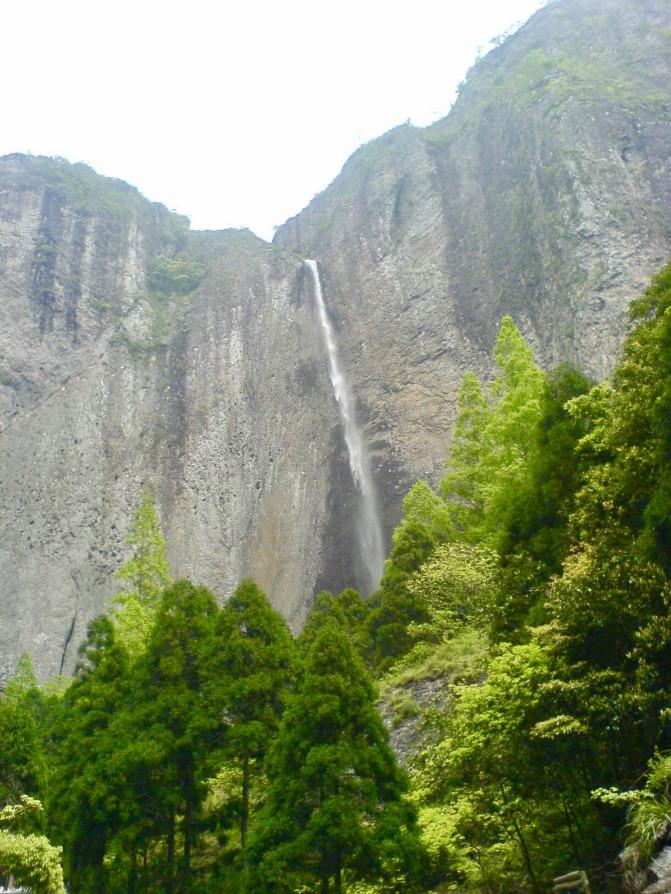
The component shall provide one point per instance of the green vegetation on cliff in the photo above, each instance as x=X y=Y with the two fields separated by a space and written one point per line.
x=559 y=550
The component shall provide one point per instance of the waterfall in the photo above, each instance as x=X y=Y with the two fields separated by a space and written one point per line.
x=368 y=522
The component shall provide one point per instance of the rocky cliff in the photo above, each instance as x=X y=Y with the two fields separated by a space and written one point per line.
x=135 y=354
x=545 y=194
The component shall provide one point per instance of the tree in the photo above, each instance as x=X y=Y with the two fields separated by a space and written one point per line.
x=22 y=761
x=252 y=669
x=348 y=610
x=494 y=434
x=175 y=720
x=538 y=520
x=30 y=858
x=423 y=505
x=536 y=534
x=577 y=506
x=457 y=585
x=146 y=576
x=628 y=445
x=393 y=608
x=138 y=737
x=88 y=797
x=509 y=770
x=585 y=703
x=461 y=486
x=335 y=807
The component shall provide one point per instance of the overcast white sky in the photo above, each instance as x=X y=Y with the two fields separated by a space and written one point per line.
x=234 y=113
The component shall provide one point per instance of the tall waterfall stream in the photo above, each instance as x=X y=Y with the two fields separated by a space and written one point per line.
x=368 y=522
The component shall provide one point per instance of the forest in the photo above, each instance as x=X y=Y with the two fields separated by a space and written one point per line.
x=201 y=748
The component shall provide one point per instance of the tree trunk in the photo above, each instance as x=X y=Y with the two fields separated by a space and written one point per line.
x=187 y=826
x=244 y=812
x=571 y=834
x=170 y=869
x=523 y=847
x=525 y=854
x=337 y=886
x=132 y=871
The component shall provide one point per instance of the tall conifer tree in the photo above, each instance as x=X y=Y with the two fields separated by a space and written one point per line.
x=252 y=669
x=335 y=802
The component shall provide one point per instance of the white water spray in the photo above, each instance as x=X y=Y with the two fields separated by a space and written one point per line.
x=369 y=528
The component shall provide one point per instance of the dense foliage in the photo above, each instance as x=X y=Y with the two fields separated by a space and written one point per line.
x=558 y=504
x=200 y=748
x=161 y=761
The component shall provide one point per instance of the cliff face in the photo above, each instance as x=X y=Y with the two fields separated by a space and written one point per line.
x=545 y=194
x=135 y=354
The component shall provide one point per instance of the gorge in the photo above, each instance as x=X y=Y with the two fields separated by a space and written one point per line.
x=136 y=354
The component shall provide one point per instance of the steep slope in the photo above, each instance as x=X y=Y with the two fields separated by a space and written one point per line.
x=136 y=354
x=545 y=193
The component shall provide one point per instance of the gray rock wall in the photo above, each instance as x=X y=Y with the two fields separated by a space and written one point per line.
x=217 y=401
x=546 y=194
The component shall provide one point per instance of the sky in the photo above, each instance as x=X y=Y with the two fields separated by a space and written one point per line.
x=235 y=113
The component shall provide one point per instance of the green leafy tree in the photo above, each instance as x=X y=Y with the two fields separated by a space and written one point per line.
x=494 y=435
x=335 y=810
x=538 y=521
x=33 y=861
x=462 y=484
x=145 y=576
x=22 y=760
x=488 y=465
x=585 y=703
x=24 y=682
x=628 y=491
x=457 y=585
x=511 y=772
x=536 y=535
x=423 y=505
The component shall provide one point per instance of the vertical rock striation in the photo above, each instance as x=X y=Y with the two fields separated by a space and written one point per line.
x=135 y=354
x=544 y=194
x=138 y=356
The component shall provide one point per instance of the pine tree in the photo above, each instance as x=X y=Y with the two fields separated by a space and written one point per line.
x=334 y=811
x=252 y=669
x=87 y=794
x=174 y=719
x=393 y=607
x=462 y=485
x=348 y=610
